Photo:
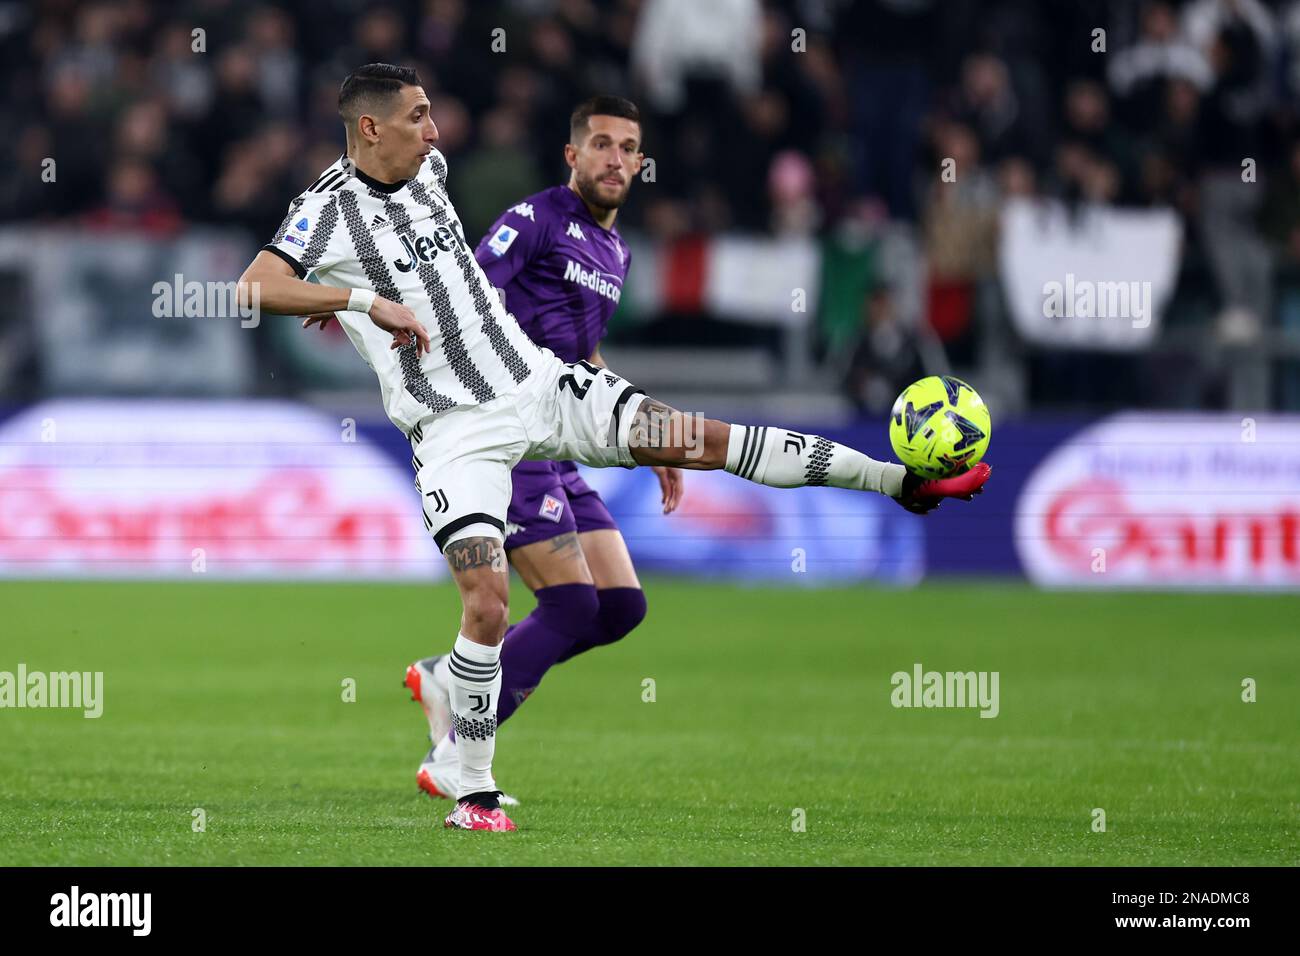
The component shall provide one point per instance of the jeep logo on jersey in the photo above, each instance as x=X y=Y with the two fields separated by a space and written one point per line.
x=592 y=279
x=422 y=249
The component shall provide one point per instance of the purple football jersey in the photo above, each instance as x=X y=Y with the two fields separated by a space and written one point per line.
x=561 y=272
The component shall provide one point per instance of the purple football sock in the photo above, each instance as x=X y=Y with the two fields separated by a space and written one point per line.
x=621 y=609
x=564 y=613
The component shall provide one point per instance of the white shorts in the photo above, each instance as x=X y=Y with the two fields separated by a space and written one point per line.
x=463 y=457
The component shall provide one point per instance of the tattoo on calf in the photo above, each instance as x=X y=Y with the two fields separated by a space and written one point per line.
x=469 y=553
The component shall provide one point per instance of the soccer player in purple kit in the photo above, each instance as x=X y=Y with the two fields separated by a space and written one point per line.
x=560 y=263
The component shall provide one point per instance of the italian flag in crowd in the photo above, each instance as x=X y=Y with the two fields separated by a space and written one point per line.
x=757 y=280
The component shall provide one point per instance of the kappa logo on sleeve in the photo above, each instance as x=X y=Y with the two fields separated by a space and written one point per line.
x=524 y=209
x=501 y=240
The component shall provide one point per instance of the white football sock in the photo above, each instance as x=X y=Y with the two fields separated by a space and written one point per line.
x=785 y=459
x=475 y=684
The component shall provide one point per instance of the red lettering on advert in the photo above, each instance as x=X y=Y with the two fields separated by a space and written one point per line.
x=1096 y=514
x=288 y=516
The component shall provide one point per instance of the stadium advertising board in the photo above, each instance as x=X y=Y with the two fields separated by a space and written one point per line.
x=1166 y=501
x=224 y=489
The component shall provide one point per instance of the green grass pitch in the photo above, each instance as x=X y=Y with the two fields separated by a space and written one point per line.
x=228 y=697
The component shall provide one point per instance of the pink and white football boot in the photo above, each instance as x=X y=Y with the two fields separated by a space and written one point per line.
x=479 y=811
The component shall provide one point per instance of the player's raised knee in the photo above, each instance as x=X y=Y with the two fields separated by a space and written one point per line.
x=569 y=609
x=621 y=610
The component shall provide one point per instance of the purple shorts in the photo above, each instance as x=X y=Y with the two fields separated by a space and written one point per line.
x=549 y=498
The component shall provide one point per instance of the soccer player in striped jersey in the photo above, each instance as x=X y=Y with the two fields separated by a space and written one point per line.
x=561 y=264
x=476 y=395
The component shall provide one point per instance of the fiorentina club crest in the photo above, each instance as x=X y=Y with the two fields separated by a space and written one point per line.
x=551 y=508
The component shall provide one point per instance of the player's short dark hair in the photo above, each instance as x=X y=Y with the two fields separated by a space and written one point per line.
x=372 y=89
x=600 y=106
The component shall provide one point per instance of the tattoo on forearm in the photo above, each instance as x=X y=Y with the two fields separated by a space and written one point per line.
x=656 y=425
x=652 y=425
x=475 y=553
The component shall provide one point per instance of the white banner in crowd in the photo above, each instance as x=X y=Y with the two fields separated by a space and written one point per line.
x=1091 y=278
x=1166 y=501
x=188 y=489
x=756 y=279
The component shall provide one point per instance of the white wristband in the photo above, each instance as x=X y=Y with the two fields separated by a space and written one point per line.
x=360 y=300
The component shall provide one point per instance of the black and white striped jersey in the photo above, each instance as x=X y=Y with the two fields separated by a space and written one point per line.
x=405 y=241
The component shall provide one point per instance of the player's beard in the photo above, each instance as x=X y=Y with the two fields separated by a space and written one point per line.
x=588 y=189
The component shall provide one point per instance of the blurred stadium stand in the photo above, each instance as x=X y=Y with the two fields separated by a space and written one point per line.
x=782 y=165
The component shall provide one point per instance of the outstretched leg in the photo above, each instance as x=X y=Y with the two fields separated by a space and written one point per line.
x=782 y=458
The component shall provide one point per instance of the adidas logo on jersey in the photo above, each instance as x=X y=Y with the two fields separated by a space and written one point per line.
x=524 y=209
x=575 y=231
x=610 y=379
x=377 y=222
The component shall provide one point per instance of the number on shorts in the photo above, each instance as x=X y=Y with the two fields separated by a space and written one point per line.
x=572 y=382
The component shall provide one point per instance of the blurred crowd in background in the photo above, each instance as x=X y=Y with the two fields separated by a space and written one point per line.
x=837 y=131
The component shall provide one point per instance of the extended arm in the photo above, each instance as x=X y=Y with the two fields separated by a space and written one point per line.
x=273 y=285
